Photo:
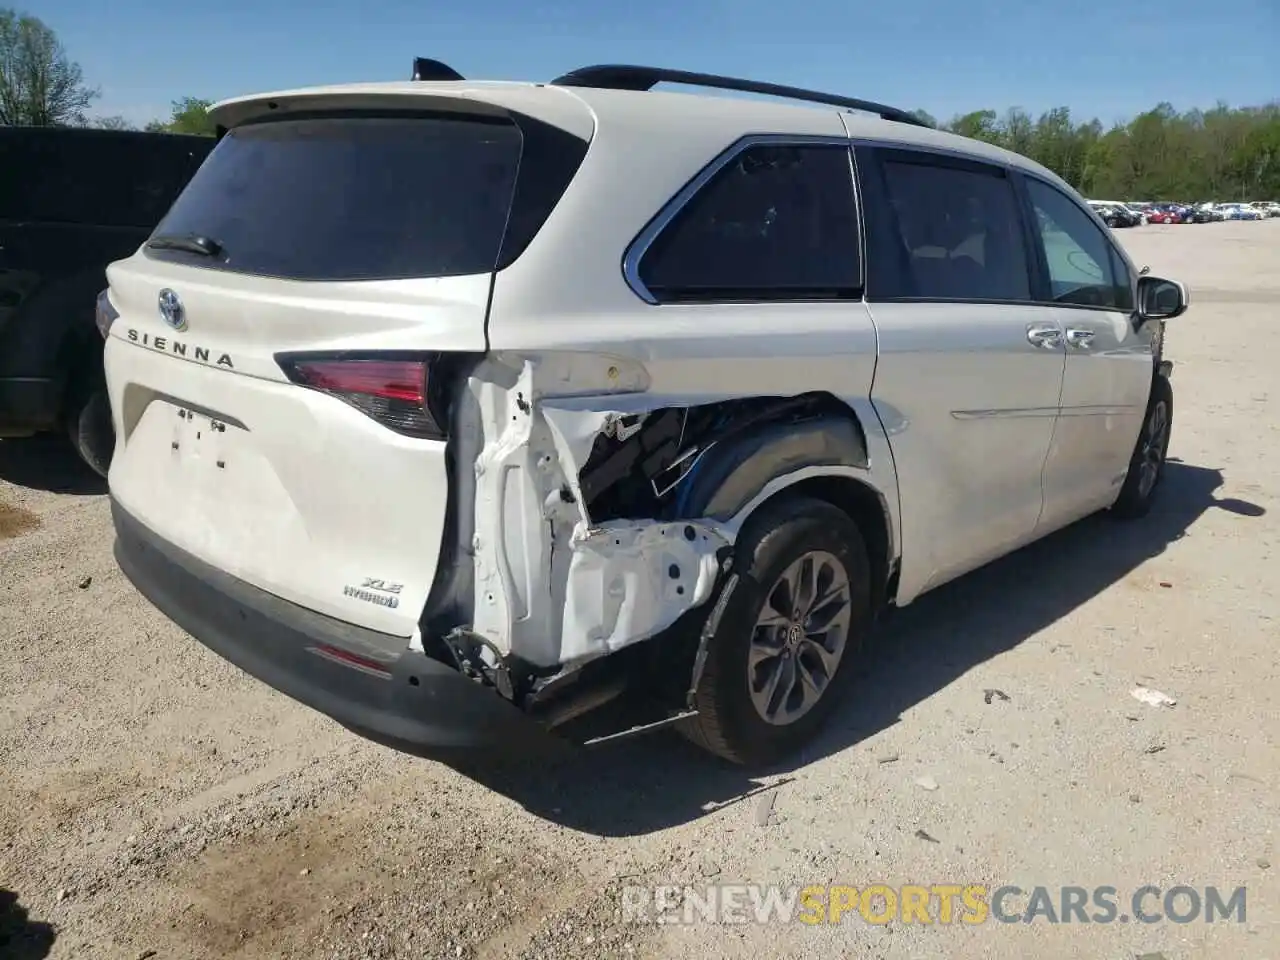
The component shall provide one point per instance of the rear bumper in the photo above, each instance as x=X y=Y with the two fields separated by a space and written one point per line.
x=29 y=405
x=369 y=682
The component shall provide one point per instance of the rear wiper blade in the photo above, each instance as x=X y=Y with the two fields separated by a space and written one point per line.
x=188 y=243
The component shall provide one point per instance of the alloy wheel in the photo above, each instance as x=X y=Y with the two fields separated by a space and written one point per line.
x=799 y=638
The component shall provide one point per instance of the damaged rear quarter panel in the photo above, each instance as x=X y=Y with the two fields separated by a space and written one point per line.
x=629 y=580
x=551 y=586
x=557 y=584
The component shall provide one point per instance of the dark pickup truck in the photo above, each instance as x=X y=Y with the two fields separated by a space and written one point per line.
x=72 y=201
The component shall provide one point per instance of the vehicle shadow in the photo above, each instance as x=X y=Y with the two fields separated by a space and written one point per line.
x=48 y=463
x=20 y=938
x=657 y=781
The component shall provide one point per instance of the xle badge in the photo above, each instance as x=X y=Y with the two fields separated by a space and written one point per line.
x=371 y=590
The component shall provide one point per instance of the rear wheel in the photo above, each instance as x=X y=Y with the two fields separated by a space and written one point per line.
x=1146 y=468
x=793 y=614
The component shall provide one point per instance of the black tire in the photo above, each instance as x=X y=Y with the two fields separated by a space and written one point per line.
x=1135 y=499
x=728 y=723
x=91 y=431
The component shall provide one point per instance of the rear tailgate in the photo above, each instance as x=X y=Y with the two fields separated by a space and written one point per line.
x=275 y=407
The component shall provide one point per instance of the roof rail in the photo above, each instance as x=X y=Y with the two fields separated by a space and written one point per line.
x=425 y=68
x=617 y=76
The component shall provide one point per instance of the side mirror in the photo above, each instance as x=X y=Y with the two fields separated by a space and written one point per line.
x=1160 y=299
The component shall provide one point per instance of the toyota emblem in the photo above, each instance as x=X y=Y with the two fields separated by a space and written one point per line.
x=171 y=309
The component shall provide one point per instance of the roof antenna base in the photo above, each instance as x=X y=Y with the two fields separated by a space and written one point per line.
x=424 y=68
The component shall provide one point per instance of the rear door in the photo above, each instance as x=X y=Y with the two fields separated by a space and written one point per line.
x=280 y=366
x=969 y=368
x=1109 y=358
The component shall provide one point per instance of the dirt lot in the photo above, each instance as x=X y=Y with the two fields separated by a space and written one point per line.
x=157 y=802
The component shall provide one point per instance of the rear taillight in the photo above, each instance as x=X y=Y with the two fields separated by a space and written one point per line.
x=104 y=314
x=395 y=391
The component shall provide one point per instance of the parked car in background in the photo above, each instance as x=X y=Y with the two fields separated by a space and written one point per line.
x=1133 y=215
x=1115 y=214
x=1240 y=211
x=1273 y=208
x=1160 y=215
x=1139 y=212
x=72 y=201
x=1262 y=207
x=1110 y=215
x=413 y=482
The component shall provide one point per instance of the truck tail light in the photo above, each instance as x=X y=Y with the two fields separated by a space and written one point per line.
x=397 y=391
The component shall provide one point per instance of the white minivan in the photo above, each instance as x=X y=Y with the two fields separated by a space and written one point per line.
x=458 y=409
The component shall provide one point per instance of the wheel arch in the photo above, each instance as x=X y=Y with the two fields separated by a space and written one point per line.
x=850 y=492
x=826 y=457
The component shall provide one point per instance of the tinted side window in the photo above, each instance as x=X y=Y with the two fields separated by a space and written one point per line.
x=40 y=182
x=93 y=178
x=17 y=163
x=778 y=222
x=959 y=228
x=161 y=170
x=1078 y=254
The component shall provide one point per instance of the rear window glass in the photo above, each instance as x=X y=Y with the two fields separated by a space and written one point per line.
x=353 y=198
x=94 y=178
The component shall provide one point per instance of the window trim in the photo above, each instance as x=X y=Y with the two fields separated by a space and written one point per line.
x=1120 y=264
x=878 y=153
x=867 y=144
x=640 y=244
x=1114 y=254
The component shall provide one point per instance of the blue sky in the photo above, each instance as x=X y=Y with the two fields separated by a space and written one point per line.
x=1105 y=58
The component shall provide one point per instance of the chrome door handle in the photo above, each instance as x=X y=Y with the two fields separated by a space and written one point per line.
x=1044 y=337
x=1080 y=339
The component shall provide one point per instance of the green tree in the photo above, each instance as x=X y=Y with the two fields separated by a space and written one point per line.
x=925 y=117
x=1226 y=153
x=110 y=123
x=39 y=85
x=189 y=115
x=1017 y=132
x=1256 y=162
x=980 y=125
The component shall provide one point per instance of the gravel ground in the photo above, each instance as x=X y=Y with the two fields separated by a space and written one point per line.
x=159 y=803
